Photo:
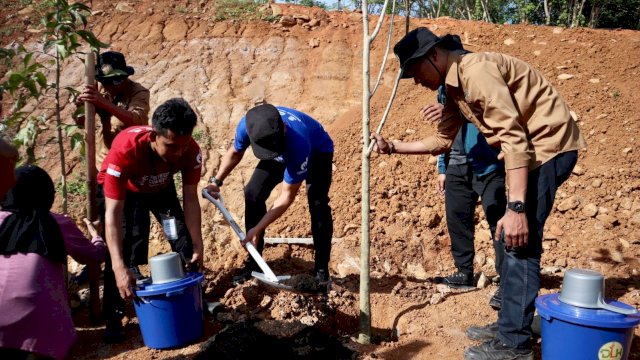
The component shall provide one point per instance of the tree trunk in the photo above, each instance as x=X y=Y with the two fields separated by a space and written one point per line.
x=485 y=11
x=365 y=302
x=406 y=15
x=547 y=14
x=577 y=11
x=595 y=14
x=63 y=170
x=468 y=10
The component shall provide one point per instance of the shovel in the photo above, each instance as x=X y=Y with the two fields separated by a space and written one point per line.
x=266 y=276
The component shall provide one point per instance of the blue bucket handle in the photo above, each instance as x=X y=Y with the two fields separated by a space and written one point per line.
x=545 y=316
x=175 y=292
x=137 y=299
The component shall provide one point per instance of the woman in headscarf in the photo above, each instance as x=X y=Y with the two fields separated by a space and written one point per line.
x=34 y=312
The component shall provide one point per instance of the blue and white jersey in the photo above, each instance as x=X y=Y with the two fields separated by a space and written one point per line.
x=304 y=137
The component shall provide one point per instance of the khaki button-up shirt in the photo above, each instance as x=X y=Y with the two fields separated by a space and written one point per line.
x=512 y=104
x=134 y=99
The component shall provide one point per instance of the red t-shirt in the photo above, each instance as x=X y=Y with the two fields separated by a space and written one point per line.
x=131 y=165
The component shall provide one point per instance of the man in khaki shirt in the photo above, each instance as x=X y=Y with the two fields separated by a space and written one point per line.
x=518 y=110
x=119 y=103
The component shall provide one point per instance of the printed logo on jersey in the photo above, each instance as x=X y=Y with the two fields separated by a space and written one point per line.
x=288 y=116
x=303 y=167
x=198 y=160
x=114 y=170
x=139 y=129
x=153 y=180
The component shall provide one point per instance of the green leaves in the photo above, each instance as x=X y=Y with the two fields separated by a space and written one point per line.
x=65 y=26
x=75 y=136
x=25 y=81
x=91 y=39
x=27 y=136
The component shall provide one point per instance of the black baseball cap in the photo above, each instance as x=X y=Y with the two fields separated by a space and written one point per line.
x=111 y=64
x=266 y=131
x=417 y=44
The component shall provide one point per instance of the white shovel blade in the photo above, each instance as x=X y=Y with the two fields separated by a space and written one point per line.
x=264 y=279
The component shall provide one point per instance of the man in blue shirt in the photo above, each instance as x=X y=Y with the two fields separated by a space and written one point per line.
x=293 y=147
x=471 y=170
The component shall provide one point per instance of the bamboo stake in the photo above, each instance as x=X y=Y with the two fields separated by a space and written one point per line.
x=90 y=138
x=90 y=154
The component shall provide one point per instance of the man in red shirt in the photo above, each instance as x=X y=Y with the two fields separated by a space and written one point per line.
x=137 y=176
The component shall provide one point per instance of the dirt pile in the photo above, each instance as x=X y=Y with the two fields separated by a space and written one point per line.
x=311 y=60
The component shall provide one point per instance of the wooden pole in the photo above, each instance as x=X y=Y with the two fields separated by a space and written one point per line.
x=92 y=208
x=90 y=138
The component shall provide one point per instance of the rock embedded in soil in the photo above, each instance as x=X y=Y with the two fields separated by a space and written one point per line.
x=590 y=210
x=569 y=204
x=578 y=170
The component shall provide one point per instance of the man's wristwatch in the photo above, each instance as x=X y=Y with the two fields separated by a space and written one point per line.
x=517 y=206
x=216 y=181
x=392 y=148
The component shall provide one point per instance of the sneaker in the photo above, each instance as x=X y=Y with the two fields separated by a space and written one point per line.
x=496 y=300
x=495 y=350
x=456 y=279
x=323 y=280
x=113 y=332
x=482 y=333
x=136 y=272
x=322 y=276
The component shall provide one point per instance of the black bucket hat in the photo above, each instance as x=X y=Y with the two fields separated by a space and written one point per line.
x=417 y=44
x=111 y=64
x=266 y=131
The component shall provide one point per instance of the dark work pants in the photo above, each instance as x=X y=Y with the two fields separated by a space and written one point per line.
x=520 y=276
x=462 y=188
x=136 y=229
x=138 y=244
x=270 y=173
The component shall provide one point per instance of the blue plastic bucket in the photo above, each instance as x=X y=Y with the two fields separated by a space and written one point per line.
x=170 y=314
x=571 y=332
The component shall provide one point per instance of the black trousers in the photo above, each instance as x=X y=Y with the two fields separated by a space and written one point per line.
x=462 y=189
x=139 y=245
x=136 y=227
x=270 y=173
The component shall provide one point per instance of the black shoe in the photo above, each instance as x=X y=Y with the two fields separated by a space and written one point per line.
x=322 y=276
x=323 y=280
x=82 y=277
x=243 y=275
x=456 y=279
x=482 y=333
x=495 y=350
x=496 y=300
x=114 y=332
x=136 y=272
x=212 y=308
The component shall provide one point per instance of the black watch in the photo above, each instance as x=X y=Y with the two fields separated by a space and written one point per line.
x=517 y=206
x=216 y=181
